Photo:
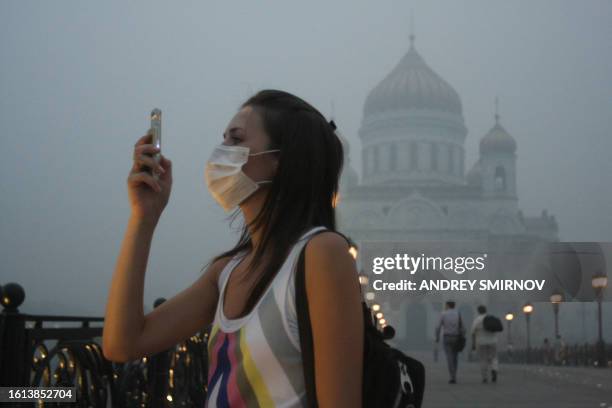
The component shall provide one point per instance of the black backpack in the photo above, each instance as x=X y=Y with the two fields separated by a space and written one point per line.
x=492 y=324
x=461 y=340
x=390 y=378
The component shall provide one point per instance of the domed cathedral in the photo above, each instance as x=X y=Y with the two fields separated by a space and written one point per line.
x=414 y=186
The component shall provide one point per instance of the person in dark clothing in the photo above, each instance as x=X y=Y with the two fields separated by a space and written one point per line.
x=451 y=328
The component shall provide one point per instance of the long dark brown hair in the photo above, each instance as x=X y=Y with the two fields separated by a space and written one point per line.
x=303 y=189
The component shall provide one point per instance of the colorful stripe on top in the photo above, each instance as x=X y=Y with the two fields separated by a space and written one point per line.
x=232 y=373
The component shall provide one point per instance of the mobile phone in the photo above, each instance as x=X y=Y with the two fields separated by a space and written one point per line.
x=156 y=120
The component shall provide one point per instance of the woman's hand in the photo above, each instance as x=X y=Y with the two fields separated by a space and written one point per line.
x=148 y=197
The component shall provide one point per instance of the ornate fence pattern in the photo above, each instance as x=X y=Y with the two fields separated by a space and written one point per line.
x=585 y=355
x=34 y=354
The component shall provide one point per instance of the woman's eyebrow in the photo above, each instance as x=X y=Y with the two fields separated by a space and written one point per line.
x=232 y=130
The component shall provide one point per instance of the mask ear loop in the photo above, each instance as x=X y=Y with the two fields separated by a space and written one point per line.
x=257 y=154
x=266 y=181
x=264 y=152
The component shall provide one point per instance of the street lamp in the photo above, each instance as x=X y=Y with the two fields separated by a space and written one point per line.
x=376 y=312
x=527 y=310
x=556 y=299
x=353 y=249
x=599 y=283
x=363 y=279
x=509 y=318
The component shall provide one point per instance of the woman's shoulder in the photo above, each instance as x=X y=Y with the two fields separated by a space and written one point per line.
x=329 y=251
x=220 y=262
x=328 y=241
x=216 y=267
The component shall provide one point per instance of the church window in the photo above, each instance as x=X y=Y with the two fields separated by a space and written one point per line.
x=414 y=156
x=500 y=179
x=393 y=157
x=376 y=158
x=434 y=157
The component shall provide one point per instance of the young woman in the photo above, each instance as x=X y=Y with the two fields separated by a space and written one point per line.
x=279 y=163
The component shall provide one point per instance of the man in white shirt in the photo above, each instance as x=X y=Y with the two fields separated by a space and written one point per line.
x=485 y=342
x=452 y=327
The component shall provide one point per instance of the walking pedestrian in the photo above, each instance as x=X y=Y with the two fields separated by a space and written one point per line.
x=485 y=343
x=452 y=328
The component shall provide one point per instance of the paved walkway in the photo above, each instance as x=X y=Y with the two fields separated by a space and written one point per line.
x=518 y=386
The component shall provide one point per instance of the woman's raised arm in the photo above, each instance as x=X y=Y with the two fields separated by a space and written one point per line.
x=128 y=334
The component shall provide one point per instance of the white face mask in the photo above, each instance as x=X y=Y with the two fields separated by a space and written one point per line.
x=227 y=183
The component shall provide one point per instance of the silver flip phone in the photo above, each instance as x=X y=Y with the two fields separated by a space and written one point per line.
x=156 y=121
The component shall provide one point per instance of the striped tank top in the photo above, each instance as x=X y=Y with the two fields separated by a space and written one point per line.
x=255 y=360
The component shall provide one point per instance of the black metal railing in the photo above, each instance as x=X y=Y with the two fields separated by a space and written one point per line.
x=584 y=355
x=39 y=350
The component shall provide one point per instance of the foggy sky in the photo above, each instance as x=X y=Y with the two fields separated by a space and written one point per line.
x=78 y=79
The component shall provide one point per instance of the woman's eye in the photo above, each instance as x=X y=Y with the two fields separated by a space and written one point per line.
x=236 y=140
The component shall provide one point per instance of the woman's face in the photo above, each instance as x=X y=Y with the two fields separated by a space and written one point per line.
x=246 y=129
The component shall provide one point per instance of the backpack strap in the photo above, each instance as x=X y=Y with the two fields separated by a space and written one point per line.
x=461 y=329
x=305 y=329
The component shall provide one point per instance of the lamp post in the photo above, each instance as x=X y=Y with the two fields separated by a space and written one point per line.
x=527 y=310
x=509 y=347
x=599 y=283
x=556 y=299
x=509 y=318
